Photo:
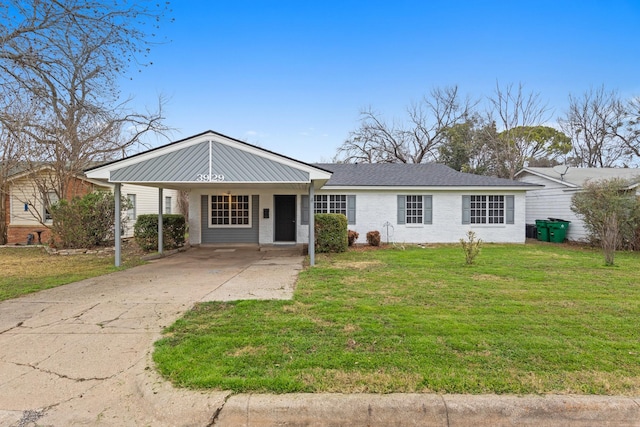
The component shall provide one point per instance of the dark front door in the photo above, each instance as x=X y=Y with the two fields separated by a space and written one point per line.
x=285 y=218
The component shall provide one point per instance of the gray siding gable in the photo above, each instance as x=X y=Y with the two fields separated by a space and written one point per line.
x=191 y=164
x=239 y=166
x=178 y=166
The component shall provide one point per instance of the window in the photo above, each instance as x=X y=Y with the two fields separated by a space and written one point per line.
x=50 y=199
x=167 y=205
x=331 y=204
x=131 y=212
x=485 y=209
x=344 y=204
x=230 y=210
x=415 y=209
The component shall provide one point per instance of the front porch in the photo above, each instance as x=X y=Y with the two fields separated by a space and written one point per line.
x=238 y=193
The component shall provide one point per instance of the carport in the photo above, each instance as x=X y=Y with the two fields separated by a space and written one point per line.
x=238 y=193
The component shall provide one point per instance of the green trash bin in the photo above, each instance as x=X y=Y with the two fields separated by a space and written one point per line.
x=557 y=230
x=542 y=229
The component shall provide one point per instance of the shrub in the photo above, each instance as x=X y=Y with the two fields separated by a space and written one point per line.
x=373 y=238
x=352 y=236
x=611 y=214
x=85 y=222
x=331 y=233
x=145 y=231
x=471 y=247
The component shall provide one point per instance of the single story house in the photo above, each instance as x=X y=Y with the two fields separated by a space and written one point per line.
x=27 y=213
x=558 y=185
x=243 y=194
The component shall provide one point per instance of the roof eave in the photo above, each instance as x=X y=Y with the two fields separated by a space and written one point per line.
x=545 y=176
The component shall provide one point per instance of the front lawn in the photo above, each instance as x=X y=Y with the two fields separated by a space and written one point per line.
x=535 y=318
x=27 y=270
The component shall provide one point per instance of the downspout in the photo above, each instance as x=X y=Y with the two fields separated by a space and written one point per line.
x=160 y=235
x=312 y=238
x=117 y=229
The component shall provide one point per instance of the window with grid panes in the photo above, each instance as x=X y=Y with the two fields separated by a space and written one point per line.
x=487 y=209
x=414 y=209
x=331 y=203
x=230 y=210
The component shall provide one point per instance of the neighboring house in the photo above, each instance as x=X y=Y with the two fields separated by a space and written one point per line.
x=559 y=184
x=240 y=193
x=27 y=211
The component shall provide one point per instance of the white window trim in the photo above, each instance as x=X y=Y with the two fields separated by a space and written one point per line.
x=133 y=207
x=328 y=196
x=167 y=205
x=486 y=212
x=250 y=225
x=44 y=208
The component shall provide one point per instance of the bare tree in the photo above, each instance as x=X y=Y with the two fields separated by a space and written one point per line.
x=65 y=58
x=604 y=129
x=12 y=148
x=518 y=117
x=417 y=141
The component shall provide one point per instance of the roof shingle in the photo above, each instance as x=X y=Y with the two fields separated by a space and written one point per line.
x=408 y=175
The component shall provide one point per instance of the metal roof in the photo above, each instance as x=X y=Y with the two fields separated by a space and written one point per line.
x=209 y=157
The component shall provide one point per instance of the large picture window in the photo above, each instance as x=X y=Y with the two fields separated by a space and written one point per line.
x=331 y=203
x=344 y=204
x=230 y=211
x=488 y=209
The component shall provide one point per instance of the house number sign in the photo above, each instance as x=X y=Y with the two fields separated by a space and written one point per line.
x=213 y=177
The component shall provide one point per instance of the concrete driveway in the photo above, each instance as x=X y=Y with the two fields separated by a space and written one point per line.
x=80 y=354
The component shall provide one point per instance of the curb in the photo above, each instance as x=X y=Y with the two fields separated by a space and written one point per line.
x=427 y=410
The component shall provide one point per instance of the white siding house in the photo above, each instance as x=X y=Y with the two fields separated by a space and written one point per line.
x=557 y=186
x=243 y=194
x=27 y=214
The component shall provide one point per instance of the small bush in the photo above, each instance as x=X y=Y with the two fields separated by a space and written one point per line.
x=352 y=236
x=471 y=247
x=373 y=238
x=145 y=231
x=331 y=233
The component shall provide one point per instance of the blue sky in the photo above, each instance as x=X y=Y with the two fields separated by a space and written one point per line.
x=292 y=76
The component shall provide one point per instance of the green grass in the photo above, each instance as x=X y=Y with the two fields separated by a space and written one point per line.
x=27 y=270
x=533 y=318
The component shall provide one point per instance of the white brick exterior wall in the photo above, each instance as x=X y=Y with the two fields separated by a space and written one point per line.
x=374 y=208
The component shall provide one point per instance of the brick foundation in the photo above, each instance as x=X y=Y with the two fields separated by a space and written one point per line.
x=18 y=234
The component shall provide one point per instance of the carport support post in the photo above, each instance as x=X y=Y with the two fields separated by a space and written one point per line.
x=160 y=239
x=117 y=230
x=312 y=226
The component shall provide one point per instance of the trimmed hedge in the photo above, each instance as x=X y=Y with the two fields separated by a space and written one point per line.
x=331 y=233
x=145 y=231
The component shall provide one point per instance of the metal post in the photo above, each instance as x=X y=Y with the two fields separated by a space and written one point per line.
x=312 y=226
x=160 y=236
x=117 y=229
